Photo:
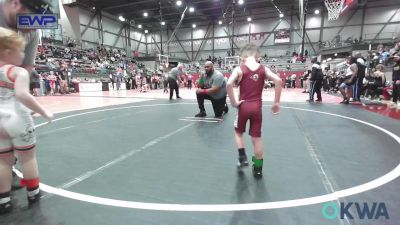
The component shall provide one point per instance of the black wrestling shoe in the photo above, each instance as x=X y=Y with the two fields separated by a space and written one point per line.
x=226 y=109
x=201 y=114
x=221 y=117
x=6 y=207
x=242 y=161
x=34 y=196
x=345 y=101
x=257 y=172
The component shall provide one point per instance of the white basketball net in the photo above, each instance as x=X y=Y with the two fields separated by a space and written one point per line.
x=334 y=8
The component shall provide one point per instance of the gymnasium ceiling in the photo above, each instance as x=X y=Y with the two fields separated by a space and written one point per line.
x=205 y=10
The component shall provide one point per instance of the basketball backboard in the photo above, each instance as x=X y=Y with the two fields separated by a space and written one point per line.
x=232 y=61
x=347 y=4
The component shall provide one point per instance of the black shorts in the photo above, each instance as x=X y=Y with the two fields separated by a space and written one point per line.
x=34 y=85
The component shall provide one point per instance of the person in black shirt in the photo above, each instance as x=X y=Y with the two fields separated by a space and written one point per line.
x=396 y=80
x=316 y=80
x=357 y=89
x=35 y=82
x=325 y=81
x=63 y=83
x=148 y=82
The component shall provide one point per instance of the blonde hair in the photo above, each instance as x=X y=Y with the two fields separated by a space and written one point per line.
x=249 y=49
x=379 y=67
x=10 y=39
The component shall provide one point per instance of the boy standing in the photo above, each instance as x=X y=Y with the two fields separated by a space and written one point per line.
x=251 y=77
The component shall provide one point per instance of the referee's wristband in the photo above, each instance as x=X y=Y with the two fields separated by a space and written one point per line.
x=204 y=91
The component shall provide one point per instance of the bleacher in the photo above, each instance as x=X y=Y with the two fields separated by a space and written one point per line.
x=81 y=63
x=284 y=63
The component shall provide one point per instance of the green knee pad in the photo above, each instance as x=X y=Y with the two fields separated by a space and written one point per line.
x=257 y=162
x=201 y=81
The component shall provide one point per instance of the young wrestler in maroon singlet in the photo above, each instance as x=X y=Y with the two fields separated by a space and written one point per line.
x=251 y=77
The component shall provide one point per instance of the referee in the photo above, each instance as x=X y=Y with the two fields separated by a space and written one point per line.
x=174 y=77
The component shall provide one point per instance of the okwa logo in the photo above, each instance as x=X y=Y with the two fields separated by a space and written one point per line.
x=255 y=77
x=351 y=210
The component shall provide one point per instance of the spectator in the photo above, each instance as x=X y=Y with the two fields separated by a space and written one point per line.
x=63 y=83
x=112 y=79
x=138 y=82
x=360 y=77
x=189 y=80
x=165 y=82
x=148 y=82
x=35 y=83
x=375 y=87
x=52 y=81
x=395 y=56
x=325 y=81
x=118 y=78
x=316 y=80
x=350 y=78
x=293 y=81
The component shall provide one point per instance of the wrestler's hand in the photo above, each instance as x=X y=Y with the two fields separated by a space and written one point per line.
x=237 y=104
x=34 y=114
x=275 y=108
x=48 y=116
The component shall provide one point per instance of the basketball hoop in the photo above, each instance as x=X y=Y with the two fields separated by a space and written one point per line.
x=163 y=60
x=232 y=60
x=334 y=8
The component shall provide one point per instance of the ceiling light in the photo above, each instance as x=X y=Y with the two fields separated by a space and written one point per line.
x=316 y=11
x=248 y=19
x=191 y=9
x=146 y=31
x=140 y=26
x=163 y=23
x=94 y=8
x=281 y=15
x=194 y=25
x=220 y=22
x=145 y=14
x=178 y=3
x=240 y=2
x=121 y=18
